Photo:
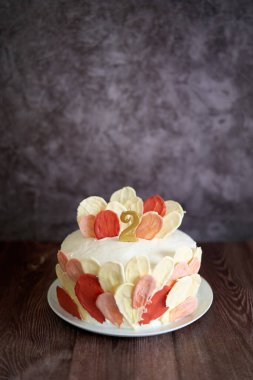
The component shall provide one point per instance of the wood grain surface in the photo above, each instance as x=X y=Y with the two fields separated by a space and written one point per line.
x=36 y=344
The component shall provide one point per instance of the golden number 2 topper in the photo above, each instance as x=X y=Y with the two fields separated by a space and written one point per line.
x=128 y=234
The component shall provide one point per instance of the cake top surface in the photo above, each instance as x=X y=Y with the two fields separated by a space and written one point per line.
x=111 y=249
x=128 y=218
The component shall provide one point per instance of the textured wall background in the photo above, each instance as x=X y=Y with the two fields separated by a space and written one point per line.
x=155 y=94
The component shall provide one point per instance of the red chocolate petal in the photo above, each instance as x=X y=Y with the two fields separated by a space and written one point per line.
x=151 y=223
x=143 y=290
x=87 y=290
x=62 y=260
x=156 y=307
x=107 y=305
x=155 y=203
x=74 y=269
x=86 y=226
x=67 y=303
x=106 y=224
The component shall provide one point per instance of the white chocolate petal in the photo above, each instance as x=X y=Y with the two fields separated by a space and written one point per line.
x=69 y=286
x=123 y=195
x=123 y=297
x=197 y=252
x=135 y=204
x=179 y=292
x=65 y=281
x=163 y=271
x=183 y=254
x=171 y=222
x=136 y=268
x=91 y=266
x=111 y=275
x=118 y=208
x=90 y=206
x=174 y=206
x=196 y=280
x=165 y=318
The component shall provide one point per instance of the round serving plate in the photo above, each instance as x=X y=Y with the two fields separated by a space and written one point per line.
x=205 y=299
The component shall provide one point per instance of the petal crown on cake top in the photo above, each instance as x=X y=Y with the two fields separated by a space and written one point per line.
x=129 y=217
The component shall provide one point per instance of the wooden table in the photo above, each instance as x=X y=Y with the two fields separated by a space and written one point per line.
x=36 y=344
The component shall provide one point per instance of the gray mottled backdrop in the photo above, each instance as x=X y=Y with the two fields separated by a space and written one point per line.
x=99 y=94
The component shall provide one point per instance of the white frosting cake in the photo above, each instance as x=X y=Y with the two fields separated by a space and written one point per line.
x=111 y=249
x=128 y=264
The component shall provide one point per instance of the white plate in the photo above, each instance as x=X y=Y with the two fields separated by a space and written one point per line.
x=205 y=299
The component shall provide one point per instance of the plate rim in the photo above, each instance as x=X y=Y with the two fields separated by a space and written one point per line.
x=128 y=333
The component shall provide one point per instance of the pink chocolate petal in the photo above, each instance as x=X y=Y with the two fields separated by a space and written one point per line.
x=185 y=308
x=180 y=270
x=62 y=260
x=86 y=226
x=74 y=269
x=143 y=290
x=150 y=225
x=194 y=265
x=107 y=305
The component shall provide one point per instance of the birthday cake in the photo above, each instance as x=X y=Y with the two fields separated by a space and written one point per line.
x=128 y=264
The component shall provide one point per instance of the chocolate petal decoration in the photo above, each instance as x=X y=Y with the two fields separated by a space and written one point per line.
x=150 y=225
x=90 y=206
x=143 y=291
x=171 y=222
x=111 y=275
x=107 y=305
x=137 y=267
